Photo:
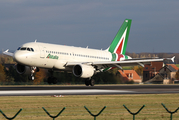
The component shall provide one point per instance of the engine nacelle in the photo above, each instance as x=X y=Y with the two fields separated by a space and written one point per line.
x=22 y=69
x=83 y=71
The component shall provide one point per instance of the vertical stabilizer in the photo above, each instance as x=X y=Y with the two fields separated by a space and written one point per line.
x=119 y=43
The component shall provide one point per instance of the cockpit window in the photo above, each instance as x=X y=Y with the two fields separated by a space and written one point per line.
x=18 y=48
x=32 y=49
x=27 y=49
x=23 y=48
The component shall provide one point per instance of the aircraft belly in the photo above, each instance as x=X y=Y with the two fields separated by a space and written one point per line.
x=60 y=64
x=43 y=63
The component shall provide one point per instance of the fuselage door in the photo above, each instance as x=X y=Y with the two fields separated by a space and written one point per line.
x=42 y=52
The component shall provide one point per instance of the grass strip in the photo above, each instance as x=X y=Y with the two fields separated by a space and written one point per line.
x=32 y=106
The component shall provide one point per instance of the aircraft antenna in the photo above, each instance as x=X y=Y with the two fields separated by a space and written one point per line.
x=35 y=40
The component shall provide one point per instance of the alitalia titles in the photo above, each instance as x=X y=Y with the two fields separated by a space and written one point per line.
x=52 y=56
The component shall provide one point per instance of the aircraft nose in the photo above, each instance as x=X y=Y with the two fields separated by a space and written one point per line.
x=17 y=57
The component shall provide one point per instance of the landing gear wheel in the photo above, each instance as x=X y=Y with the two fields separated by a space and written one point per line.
x=31 y=77
x=87 y=82
x=92 y=82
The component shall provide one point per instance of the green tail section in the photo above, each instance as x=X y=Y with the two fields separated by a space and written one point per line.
x=119 y=43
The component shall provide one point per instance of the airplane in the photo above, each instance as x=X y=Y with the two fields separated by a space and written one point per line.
x=82 y=62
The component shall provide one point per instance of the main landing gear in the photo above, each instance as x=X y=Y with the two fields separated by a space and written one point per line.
x=51 y=79
x=89 y=82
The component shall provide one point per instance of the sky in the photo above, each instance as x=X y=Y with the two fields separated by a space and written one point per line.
x=92 y=23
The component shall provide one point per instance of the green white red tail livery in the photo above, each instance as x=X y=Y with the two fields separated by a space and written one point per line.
x=119 y=43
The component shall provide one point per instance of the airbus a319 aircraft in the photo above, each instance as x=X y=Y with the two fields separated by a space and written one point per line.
x=82 y=62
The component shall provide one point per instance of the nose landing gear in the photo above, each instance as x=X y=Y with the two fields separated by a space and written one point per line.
x=33 y=70
x=31 y=77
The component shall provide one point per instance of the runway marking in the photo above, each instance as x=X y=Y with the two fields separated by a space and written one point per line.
x=81 y=91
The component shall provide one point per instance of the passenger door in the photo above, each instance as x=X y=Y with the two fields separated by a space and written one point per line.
x=42 y=52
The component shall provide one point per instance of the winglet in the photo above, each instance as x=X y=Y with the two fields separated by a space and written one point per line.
x=8 y=53
x=173 y=58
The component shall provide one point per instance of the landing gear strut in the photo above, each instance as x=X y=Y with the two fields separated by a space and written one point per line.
x=33 y=70
x=51 y=79
x=89 y=82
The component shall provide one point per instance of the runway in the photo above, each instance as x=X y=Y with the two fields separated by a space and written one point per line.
x=84 y=90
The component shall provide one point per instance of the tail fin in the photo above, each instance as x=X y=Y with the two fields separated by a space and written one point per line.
x=119 y=43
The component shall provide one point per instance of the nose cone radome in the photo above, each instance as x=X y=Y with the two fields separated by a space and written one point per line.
x=18 y=57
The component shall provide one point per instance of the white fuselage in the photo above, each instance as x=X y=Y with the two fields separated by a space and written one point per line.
x=46 y=55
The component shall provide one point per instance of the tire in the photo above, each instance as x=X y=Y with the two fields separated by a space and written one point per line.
x=31 y=77
x=87 y=82
x=92 y=82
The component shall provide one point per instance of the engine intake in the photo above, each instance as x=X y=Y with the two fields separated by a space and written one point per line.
x=22 y=69
x=83 y=71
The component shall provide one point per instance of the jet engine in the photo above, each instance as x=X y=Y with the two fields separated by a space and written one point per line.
x=22 y=69
x=83 y=71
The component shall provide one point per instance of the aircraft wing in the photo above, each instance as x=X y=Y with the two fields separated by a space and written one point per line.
x=8 y=53
x=120 y=64
x=130 y=62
